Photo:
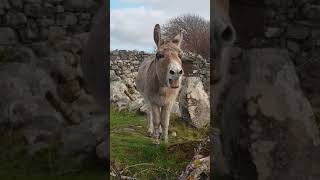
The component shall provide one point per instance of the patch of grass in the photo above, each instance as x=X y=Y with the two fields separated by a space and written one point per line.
x=15 y=164
x=131 y=149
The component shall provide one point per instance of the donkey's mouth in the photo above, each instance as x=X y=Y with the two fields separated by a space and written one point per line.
x=174 y=83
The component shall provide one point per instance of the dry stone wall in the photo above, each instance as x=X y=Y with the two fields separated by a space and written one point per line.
x=287 y=24
x=24 y=21
x=125 y=64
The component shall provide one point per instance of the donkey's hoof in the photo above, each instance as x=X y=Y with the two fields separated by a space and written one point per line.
x=156 y=141
x=150 y=132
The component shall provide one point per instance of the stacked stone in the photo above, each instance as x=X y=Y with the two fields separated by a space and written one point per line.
x=295 y=26
x=125 y=64
x=38 y=20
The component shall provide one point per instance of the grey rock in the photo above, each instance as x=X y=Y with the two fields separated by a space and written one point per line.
x=18 y=4
x=79 y=4
x=113 y=76
x=273 y=32
x=176 y=109
x=194 y=103
x=136 y=105
x=21 y=54
x=4 y=4
x=311 y=11
x=282 y=138
x=102 y=151
x=42 y=49
x=77 y=140
x=56 y=32
x=298 y=32
x=33 y=10
x=118 y=95
x=46 y=22
x=33 y=1
x=59 y=9
x=7 y=36
x=30 y=32
x=66 y=19
x=293 y=46
x=44 y=128
x=273 y=78
x=15 y=18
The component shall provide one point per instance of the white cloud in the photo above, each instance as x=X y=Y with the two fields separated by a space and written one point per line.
x=132 y=28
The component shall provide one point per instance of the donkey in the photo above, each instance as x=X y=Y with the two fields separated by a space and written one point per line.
x=159 y=82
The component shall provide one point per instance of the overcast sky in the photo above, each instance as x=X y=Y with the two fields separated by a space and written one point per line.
x=132 y=21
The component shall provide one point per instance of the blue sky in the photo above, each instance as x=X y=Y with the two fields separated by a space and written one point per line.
x=132 y=21
x=116 y=4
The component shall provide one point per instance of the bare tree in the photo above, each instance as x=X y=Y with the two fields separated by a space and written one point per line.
x=196 y=35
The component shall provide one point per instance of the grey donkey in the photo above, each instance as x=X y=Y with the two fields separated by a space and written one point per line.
x=159 y=82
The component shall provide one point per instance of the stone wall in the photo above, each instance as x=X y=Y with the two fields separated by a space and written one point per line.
x=125 y=64
x=28 y=21
x=290 y=25
x=261 y=108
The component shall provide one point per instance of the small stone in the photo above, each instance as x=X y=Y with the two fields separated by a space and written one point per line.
x=298 y=32
x=293 y=46
x=4 y=4
x=59 y=9
x=33 y=10
x=174 y=134
x=15 y=18
x=7 y=36
x=67 y=19
x=312 y=11
x=273 y=32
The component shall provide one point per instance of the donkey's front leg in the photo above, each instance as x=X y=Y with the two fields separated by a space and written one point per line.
x=156 y=122
x=165 y=118
x=150 y=123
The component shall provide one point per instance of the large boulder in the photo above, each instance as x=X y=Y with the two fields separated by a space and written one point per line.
x=118 y=94
x=265 y=119
x=194 y=102
x=281 y=119
x=23 y=88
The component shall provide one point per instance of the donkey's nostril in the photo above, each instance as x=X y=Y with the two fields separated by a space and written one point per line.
x=228 y=35
x=180 y=72
x=171 y=72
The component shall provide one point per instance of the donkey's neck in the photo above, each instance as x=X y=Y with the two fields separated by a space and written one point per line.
x=155 y=82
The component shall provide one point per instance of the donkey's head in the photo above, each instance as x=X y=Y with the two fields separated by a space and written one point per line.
x=224 y=32
x=168 y=59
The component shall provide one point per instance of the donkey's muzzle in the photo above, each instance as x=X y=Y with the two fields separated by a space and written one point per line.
x=174 y=83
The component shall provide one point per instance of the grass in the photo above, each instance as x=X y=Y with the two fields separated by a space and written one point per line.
x=15 y=164
x=133 y=151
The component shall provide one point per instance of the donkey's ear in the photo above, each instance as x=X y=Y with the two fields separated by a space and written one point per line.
x=157 y=35
x=178 y=38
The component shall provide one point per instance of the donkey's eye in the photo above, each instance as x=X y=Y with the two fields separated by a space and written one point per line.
x=180 y=56
x=159 y=55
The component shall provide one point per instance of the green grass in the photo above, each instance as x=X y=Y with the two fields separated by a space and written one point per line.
x=15 y=164
x=133 y=150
